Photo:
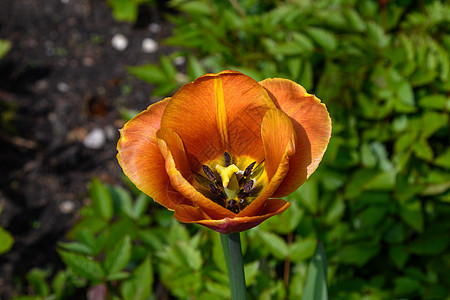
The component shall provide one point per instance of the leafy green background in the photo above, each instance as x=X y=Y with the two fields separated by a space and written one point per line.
x=379 y=202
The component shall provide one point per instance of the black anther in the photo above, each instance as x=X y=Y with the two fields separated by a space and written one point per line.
x=248 y=186
x=214 y=189
x=227 y=159
x=232 y=203
x=209 y=173
x=249 y=169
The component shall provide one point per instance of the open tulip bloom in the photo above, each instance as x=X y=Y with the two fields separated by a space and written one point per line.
x=224 y=149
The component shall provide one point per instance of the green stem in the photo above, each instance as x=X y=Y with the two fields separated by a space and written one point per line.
x=231 y=244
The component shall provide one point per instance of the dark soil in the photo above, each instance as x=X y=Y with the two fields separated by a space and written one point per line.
x=61 y=79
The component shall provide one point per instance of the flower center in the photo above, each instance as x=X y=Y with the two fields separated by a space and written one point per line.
x=228 y=185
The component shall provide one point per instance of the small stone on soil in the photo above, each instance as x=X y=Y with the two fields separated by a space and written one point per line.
x=154 y=27
x=95 y=139
x=179 y=60
x=66 y=207
x=149 y=45
x=119 y=42
x=63 y=87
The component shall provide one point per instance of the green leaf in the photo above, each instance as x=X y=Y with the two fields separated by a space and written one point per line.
x=286 y=222
x=405 y=286
x=139 y=285
x=376 y=33
x=6 y=240
x=151 y=239
x=411 y=213
x=82 y=265
x=435 y=101
x=124 y=10
x=430 y=244
x=304 y=42
x=141 y=205
x=4 y=47
x=149 y=73
x=217 y=289
x=251 y=271
x=423 y=150
x=432 y=122
x=194 y=67
x=323 y=38
x=76 y=247
x=395 y=234
x=118 y=257
x=101 y=199
x=405 y=93
x=373 y=216
x=308 y=195
x=358 y=181
x=306 y=75
x=194 y=7
x=316 y=283
x=356 y=254
x=59 y=284
x=168 y=67
x=274 y=243
x=37 y=278
x=294 y=65
x=354 y=19
x=442 y=160
x=399 y=255
x=117 y=276
x=368 y=157
x=302 y=249
x=335 y=211
x=122 y=200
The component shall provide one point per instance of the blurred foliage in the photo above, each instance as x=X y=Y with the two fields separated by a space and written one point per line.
x=380 y=200
x=6 y=240
x=122 y=244
x=4 y=47
x=127 y=10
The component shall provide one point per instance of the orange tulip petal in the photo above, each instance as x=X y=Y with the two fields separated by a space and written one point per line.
x=141 y=160
x=279 y=145
x=312 y=125
x=218 y=113
x=189 y=214
x=169 y=144
x=175 y=144
x=277 y=136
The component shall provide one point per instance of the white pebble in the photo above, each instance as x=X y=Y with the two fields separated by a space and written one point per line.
x=154 y=27
x=95 y=139
x=119 y=42
x=149 y=45
x=179 y=60
x=66 y=206
x=110 y=132
x=63 y=87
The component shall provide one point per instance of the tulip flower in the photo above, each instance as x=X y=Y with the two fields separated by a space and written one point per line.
x=224 y=149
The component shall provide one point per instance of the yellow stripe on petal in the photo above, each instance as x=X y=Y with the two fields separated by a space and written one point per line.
x=220 y=111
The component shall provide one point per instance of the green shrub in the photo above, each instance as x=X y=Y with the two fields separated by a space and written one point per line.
x=380 y=200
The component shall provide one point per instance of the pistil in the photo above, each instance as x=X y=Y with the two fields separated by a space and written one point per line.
x=231 y=186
